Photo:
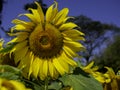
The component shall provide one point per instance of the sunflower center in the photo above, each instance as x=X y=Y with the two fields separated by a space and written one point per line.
x=8 y=85
x=44 y=40
x=47 y=42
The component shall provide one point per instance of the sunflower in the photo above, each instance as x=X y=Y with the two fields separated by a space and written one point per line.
x=1 y=43
x=1 y=47
x=46 y=44
x=11 y=85
x=112 y=80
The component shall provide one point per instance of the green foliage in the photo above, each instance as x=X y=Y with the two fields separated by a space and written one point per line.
x=7 y=48
x=81 y=81
x=94 y=33
x=33 y=84
x=55 y=86
x=1 y=8
x=111 y=56
x=32 y=5
x=9 y=72
x=13 y=73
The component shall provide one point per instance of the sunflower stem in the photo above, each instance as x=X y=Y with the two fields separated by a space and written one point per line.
x=46 y=84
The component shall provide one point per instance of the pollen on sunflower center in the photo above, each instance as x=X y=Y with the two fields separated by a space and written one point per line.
x=44 y=40
x=47 y=42
x=8 y=85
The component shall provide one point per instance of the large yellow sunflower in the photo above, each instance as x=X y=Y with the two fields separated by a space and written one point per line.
x=47 y=44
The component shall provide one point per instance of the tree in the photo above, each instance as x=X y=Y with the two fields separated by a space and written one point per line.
x=111 y=55
x=94 y=34
x=32 y=5
x=1 y=8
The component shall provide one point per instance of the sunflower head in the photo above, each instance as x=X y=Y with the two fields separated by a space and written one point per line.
x=43 y=41
x=11 y=85
x=1 y=43
x=47 y=44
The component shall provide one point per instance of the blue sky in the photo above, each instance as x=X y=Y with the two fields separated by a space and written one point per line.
x=106 y=11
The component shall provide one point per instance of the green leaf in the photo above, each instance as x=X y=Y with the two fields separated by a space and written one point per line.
x=7 y=48
x=8 y=68
x=33 y=85
x=8 y=75
x=81 y=82
x=55 y=86
x=9 y=72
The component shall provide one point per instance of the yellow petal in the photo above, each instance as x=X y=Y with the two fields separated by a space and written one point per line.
x=40 y=11
x=118 y=77
x=110 y=72
x=69 y=52
x=30 y=16
x=20 y=54
x=69 y=60
x=75 y=46
x=51 y=68
x=45 y=68
x=58 y=66
x=64 y=21
x=12 y=41
x=67 y=26
x=17 y=21
x=64 y=64
x=15 y=85
x=19 y=27
x=25 y=62
x=20 y=45
x=114 y=85
x=16 y=34
x=36 y=14
x=19 y=38
x=73 y=37
x=61 y=16
x=31 y=61
x=107 y=78
x=101 y=79
x=21 y=33
x=73 y=32
x=90 y=65
x=41 y=72
x=51 y=12
x=36 y=66
x=56 y=73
